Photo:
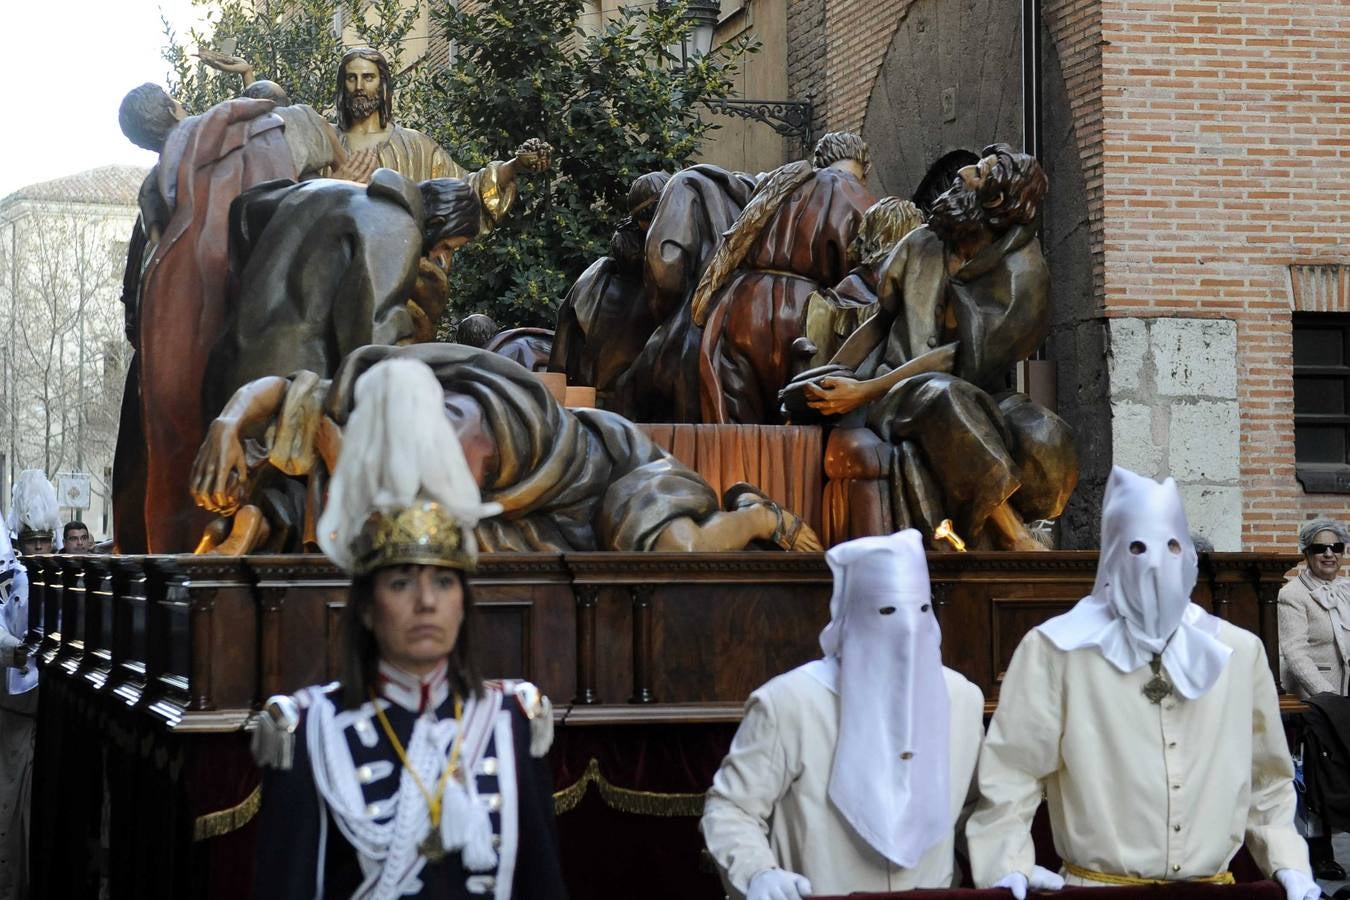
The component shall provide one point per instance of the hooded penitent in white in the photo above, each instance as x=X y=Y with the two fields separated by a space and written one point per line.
x=1140 y=605
x=33 y=506
x=891 y=768
x=14 y=616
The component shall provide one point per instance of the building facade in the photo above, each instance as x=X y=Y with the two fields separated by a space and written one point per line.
x=63 y=246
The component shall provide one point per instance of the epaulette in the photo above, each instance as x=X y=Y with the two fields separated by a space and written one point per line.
x=538 y=709
x=274 y=730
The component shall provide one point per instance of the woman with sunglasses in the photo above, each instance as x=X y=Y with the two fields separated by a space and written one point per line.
x=412 y=777
x=1315 y=641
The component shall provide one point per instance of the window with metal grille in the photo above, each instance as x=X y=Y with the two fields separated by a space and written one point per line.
x=1322 y=401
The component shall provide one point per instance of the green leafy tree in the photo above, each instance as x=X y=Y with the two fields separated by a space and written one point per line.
x=614 y=104
x=291 y=42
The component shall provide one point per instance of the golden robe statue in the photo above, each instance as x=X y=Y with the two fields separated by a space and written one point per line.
x=412 y=154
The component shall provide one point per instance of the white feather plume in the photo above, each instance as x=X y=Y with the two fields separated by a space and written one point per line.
x=33 y=505
x=398 y=449
x=7 y=558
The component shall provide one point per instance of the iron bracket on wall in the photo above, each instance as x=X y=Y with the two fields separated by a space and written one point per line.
x=790 y=118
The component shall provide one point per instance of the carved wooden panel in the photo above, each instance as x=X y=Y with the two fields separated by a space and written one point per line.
x=1013 y=617
x=502 y=630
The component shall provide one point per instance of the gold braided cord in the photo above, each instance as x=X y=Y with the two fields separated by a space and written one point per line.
x=451 y=765
x=1107 y=878
x=627 y=800
x=224 y=821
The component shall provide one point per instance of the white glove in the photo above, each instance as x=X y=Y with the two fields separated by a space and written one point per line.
x=1297 y=885
x=1041 y=879
x=778 y=884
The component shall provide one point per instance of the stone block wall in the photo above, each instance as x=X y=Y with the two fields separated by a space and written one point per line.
x=1174 y=411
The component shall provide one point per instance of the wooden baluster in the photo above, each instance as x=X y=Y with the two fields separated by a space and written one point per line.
x=96 y=602
x=271 y=600
x=587 y=598
x=642 y=643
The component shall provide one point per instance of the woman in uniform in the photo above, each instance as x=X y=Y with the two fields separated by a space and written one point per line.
x=412 y=777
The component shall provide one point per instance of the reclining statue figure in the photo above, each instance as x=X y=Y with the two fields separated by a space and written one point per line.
x=580 y=479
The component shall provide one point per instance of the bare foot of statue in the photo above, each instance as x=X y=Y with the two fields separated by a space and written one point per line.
x=212 y=536
x=250 y=532
x=782 y=527
x=1010 y=531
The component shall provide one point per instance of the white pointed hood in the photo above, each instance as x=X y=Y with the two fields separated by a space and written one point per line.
x=14 y=611
x=891 y=768
x=1140 y=603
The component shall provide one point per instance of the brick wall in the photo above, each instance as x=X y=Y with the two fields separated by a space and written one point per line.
x=1075 y=27
x=1226 y=158
x=858 y=33
x=806 y=49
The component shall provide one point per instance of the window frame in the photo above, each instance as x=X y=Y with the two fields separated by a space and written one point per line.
x=1323 y=477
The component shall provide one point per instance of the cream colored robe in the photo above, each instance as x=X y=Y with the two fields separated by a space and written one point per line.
x=769 y=806
x=1167 y=791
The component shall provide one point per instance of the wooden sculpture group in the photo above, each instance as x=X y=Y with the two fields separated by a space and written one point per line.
x=279 y=256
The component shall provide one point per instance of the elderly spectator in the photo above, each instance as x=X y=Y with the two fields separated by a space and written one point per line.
x=1315 y=613
x=1315 y=643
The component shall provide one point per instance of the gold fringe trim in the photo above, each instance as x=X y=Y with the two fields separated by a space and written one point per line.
x=224 y=821
x=641 y=803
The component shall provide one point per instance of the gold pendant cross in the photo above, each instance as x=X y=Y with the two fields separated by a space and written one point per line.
x=431 y=846
x=1158 y=686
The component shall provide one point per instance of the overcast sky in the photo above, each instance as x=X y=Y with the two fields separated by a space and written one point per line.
x=70 y=63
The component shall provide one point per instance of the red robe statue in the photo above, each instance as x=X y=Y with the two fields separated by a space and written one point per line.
x=207 y=161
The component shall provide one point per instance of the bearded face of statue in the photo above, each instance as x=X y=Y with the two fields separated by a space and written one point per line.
x=361 y=95
x=957 y=215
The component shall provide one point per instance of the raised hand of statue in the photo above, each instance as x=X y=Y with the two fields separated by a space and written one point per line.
x=223 y=62
x=359 y=166
x=431 y=291
x=835 y=395
x=220 y=472
x=535 y=155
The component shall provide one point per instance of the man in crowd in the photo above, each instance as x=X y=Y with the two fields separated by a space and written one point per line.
x=1151 y=728
x=851 y=773
x=76 y=538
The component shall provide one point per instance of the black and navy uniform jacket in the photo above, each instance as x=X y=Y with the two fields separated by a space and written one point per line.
x=294 y=820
